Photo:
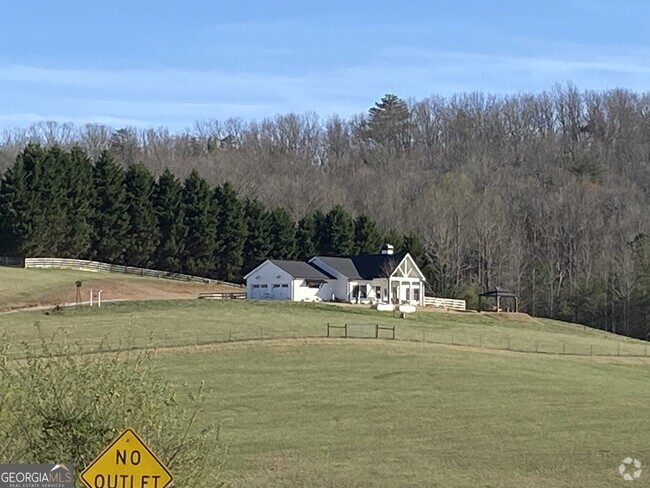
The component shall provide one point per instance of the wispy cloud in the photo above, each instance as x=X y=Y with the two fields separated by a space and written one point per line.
x=177 y=97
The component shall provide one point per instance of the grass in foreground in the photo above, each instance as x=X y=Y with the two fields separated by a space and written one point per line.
x=367 y=414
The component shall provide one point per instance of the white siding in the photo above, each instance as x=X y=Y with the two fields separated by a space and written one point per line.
x=339 y=286
x=264 y=278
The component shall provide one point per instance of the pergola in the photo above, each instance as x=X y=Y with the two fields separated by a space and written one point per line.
x=498 y=293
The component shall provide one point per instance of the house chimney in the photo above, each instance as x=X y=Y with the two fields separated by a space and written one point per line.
x=387 y=249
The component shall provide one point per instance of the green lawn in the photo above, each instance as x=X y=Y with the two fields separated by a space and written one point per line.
x=363 y=414
x=191 y=322
x=366 y=413
x=20 y=286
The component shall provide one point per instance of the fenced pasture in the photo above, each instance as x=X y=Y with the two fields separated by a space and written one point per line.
x=321 y=412
x=161 y=324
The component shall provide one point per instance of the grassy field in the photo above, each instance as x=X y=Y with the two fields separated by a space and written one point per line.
x=318 y=412
x=32 y=287
x=197 y=322
x=369 y=414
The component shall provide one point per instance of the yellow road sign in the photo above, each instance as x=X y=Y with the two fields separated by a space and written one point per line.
x=127 y=463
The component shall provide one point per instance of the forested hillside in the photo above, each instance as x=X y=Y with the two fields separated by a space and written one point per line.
x=545 y=193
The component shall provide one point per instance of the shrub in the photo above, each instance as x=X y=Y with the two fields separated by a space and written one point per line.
x=61 y=405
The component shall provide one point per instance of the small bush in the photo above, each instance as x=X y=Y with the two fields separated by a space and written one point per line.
x=61 y=405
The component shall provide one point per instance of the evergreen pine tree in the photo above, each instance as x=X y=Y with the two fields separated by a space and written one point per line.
x=283 y=235
x=143 y=233
x=367 y=238
x=111 y=220
x=170 y=212
x=307 y=238
x=415 y=247
x=231 y=232
x=257 y=246
x=200 y=219
x=394 y=238
x=50 y=192
x=16 y=211
x=79 y=205
x=339 y=232
x=320 y=226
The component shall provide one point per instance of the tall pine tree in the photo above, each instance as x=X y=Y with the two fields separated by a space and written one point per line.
x=200 y=217
x=170 y=212
x=143 y=234
x=283 y=235
x=307 y=241
x=367 y=238
x=338 y=238
x=79 y=205
x=16 y=211
x=111 y=220
x=257 y=246
x=231 y=233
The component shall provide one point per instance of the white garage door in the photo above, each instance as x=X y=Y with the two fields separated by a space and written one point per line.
x=281 y=291
x=260 y=291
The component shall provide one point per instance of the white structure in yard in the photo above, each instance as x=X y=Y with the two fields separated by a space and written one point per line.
x=367 y=278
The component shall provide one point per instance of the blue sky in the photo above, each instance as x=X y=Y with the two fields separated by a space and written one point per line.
x=152 y=64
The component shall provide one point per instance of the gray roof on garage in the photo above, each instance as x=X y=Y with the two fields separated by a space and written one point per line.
x=364 y=266
x=300 y=269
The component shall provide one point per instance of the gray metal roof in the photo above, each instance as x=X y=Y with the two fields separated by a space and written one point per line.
x=300 y=269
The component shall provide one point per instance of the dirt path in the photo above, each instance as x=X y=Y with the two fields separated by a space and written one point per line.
x=115 y=289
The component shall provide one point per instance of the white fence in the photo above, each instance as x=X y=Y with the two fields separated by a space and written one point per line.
x=447 y=303
x=84 y=265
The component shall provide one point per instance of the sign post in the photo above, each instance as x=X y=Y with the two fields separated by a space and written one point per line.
x=127 y=463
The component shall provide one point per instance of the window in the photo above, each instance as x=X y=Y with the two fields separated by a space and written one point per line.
x=276 y=286
x=256 y=286
x=285 y=286
x=264 y=286
x=378 y=292
x=408 y=293
x=416 y=294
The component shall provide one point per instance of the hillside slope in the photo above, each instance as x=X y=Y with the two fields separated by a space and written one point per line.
x=21 y=288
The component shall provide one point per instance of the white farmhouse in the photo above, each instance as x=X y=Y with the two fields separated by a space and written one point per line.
x=276 y=279
x=367 y=278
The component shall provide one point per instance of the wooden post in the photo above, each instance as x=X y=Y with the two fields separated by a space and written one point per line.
x=328 y=329
x=376 y=331
x=346 y=330
x=99 y=299
x=394 y=337
x=91 y=297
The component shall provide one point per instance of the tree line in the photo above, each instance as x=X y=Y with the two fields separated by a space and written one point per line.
x=58 y=203
x=544 y=193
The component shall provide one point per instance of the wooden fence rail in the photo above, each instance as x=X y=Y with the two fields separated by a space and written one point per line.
x=222 y=295
x=96 y=266
x=447 y=303
x=346 y=329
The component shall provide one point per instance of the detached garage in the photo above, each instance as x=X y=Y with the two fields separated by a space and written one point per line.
x=276 y=279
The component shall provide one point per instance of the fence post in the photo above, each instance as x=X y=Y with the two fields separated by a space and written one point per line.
x=346 y=330
x=376 y=331
x=394 y=334
x=328 y=329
